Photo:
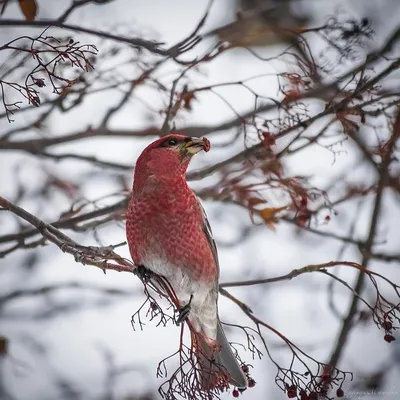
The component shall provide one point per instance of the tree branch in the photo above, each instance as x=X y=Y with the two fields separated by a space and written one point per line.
x=383 y=182
x=95 y=256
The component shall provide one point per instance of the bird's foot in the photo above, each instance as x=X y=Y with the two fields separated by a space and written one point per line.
x=183 y=312
x=143 y=273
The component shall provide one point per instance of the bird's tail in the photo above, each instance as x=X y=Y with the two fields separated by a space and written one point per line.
x=217 y=366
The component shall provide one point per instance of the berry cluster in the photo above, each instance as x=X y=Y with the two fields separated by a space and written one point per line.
x=388 y=327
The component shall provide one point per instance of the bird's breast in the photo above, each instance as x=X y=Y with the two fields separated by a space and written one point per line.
x=165 y=233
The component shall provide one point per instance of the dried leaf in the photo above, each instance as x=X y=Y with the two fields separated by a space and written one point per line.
x=188 y=98
x=253 y=201
x=291 y=95
x=269 y=215
x=28 y=8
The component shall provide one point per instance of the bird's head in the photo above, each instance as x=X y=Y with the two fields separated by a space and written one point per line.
x=168 y=157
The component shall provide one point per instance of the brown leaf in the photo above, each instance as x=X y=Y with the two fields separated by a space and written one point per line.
x=269 y=215
x=28 y=8
x=188 y=98
x=253 y=201
x=291 y=95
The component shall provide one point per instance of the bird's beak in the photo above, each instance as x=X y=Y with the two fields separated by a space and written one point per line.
x=193 y=145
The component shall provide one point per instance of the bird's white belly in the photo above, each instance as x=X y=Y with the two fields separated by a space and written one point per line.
x=183 y=286
x=203 y=307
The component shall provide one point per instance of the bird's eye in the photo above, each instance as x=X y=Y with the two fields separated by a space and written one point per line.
x=172 y=142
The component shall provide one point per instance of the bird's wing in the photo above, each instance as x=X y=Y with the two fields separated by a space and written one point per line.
x=224 y=357
x=209 y=235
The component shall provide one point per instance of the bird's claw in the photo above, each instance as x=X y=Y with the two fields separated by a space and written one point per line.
x=143 y=273
x=183 y=312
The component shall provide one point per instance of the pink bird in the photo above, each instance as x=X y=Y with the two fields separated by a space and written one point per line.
x=168 y=233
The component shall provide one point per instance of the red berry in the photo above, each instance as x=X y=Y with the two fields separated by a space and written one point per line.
x=303 y=395
x=292 y=393
x=387 y=325
x=313 y=396
x=245 y=368
x=339 y=392
x=251 y=382
x=235 y=393
x=389 y=338
x=327 y=218
x=39 y=82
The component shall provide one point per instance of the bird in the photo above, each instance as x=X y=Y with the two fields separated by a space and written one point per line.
x=168 y=233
